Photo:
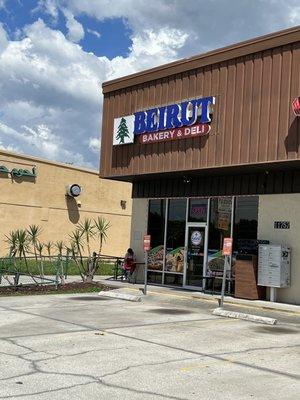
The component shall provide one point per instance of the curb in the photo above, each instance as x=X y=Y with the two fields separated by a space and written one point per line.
x=268 y=305
x=247 y=317
x=120 y=296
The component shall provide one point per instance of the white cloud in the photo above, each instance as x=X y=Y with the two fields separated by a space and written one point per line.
x=208 y=23
x=51 y=96
x=93 y=32
x=48 y=6
x=52 y=7
x=165 y=42
x=9 y=147
x=42 y=143
x=295 y=15
x=3 y=39
x=94 y=145
x=148 y=49
x=75 y=29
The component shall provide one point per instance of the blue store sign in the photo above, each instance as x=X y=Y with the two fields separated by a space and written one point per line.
x=168 y=120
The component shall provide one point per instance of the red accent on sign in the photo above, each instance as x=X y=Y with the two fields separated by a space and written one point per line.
x=184 y=132
x=147 y=242
x=296 y=106
x=227 y=247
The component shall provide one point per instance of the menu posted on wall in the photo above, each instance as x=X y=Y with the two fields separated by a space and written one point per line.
x=224 y=204
x=224 y=213
x=223 y=221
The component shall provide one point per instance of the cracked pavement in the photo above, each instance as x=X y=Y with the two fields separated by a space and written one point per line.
x=86 y=347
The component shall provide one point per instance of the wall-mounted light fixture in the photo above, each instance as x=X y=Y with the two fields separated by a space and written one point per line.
x=73 y=190
x=123 y=204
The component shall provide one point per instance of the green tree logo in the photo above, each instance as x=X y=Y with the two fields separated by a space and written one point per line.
x=122 y=131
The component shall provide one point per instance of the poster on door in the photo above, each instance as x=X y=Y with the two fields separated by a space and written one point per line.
x=224 y=205
x=196 y=242
x=224 y=221
x=196 y=238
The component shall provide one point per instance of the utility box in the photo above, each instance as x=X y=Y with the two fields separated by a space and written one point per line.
x=274 y=265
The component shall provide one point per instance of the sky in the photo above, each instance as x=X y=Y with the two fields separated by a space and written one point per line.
x=55 y=54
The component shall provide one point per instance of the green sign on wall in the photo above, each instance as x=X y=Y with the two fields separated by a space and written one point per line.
x=18 y=172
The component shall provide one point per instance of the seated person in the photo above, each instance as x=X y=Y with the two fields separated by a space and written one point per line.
x=129 y=263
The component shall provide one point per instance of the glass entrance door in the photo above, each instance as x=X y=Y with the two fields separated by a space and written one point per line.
x=195 y=254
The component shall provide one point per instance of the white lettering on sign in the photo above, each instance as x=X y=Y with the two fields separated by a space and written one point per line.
x=197 y=130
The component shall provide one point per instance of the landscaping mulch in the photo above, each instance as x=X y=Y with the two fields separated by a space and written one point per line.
x=73 y=287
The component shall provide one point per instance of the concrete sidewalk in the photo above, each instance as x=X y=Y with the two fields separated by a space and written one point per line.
x=190 y=294
x=183 y=293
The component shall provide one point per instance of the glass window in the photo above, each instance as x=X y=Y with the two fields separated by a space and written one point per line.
x=154 y=277
x=245 y=224
x=173 y=279
x=156 y=221
x=219 y=228
x=156 y=228
x=175 y=235
x=198 y=210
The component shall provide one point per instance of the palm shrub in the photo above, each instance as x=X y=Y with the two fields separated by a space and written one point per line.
x=39 y=248
x=33 y=233
x=49 y=247
x=23 y=247
x=87 y=230
x=101 y=226
x=81 y=237
x=77 y=247
x=101 y=229
x=12 y=240
x=59 y=245
x=19 y=242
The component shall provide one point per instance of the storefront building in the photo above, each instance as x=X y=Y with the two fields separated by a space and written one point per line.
x=211 y=145
x=34 y=191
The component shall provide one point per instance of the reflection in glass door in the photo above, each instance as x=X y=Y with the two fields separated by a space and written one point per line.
x=195 y=257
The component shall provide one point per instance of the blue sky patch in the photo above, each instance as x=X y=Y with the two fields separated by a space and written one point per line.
x=114 y=37
x=110 y=38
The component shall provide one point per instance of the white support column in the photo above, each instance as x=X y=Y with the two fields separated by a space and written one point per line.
x=273 y=294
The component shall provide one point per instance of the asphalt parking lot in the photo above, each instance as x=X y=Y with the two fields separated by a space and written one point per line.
x=166 y=347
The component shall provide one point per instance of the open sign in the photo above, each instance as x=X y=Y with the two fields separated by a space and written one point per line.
x=198 y=211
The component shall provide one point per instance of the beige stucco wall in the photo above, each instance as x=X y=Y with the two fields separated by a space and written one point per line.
x=138 y=230
x=283 y=208
x=43 y=202
x=139 y=226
